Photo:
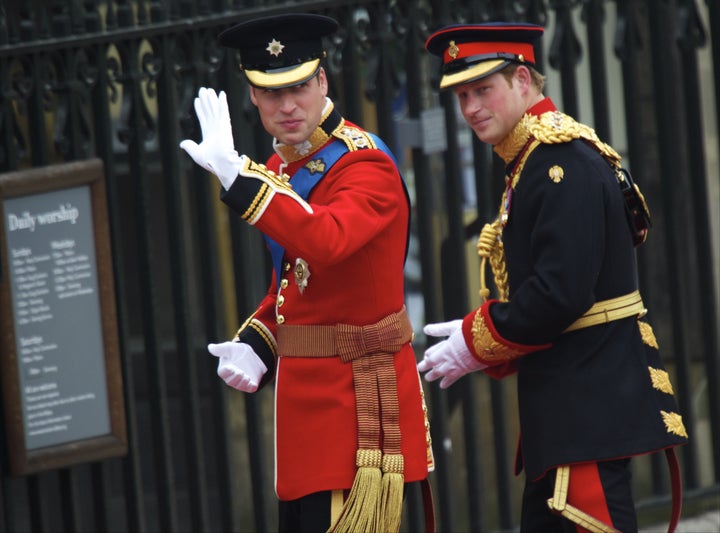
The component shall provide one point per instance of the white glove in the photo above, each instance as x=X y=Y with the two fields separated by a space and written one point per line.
x=239 y=365
x=216 y=153
x=449 y=359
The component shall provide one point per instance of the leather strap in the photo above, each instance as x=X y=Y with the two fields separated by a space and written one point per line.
x=676 y=487
x=608 y=310
x=428 y=505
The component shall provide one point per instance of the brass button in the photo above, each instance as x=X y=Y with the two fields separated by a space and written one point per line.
x=280 y=300
x=286 y=266
x=284 y=283
x=280 y=319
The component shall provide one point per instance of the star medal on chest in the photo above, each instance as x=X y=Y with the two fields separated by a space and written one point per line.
x=302 y=273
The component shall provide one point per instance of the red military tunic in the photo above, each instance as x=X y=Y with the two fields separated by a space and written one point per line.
x=350 y=239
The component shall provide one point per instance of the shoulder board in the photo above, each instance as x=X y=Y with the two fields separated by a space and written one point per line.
x=557 y=127
x=354 y=138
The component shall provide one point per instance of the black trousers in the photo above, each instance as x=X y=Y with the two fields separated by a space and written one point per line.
x=311 y=513
x=602 y=489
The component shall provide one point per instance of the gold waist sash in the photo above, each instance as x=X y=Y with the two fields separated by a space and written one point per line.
x=608 y=310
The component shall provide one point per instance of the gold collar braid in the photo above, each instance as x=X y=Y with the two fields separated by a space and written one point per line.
x=510 y=146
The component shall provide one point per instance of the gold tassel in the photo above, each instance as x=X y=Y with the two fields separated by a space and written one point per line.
x=391 y=500
x=359 y=513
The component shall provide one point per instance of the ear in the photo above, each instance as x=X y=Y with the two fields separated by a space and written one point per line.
x=322 y=80
x=523 y=76
x=253 y=99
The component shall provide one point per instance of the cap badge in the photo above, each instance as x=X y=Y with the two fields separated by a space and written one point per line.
x=453 y=50
x=556 y=173
x=317 y=165
x=302 y=273
x=275 y=47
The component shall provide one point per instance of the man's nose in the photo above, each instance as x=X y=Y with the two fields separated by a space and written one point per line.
x=287 y=103
x=473 y=104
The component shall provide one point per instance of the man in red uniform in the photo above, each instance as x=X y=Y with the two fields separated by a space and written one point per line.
x=332 y=332
x=592 y=390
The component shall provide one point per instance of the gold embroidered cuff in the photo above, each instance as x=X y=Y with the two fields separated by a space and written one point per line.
x=270 y=184
x=487 y=349
x=258 y=204
x=259 y=328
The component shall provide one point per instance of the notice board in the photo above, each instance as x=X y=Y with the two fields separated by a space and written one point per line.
x=59 y=355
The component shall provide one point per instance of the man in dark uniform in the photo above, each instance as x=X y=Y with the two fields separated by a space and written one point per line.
x=592 y=389
x=332 y=332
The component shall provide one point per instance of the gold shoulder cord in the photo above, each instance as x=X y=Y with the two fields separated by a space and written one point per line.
x=490 y=248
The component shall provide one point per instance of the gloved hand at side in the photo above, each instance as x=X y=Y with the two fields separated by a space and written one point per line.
x=216 y=153
x=239 y=366
x=449 y=359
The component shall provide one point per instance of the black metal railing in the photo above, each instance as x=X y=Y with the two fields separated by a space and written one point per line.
x=116 y=79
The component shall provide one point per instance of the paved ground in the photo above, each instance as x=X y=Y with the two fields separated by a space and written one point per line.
x=704 y=523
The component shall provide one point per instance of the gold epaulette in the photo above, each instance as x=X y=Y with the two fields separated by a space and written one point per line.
x=556 y=127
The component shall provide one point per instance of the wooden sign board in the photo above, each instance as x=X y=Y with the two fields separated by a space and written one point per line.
x=59 y=355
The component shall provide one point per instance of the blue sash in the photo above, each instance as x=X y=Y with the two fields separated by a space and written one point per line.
x=303 y=182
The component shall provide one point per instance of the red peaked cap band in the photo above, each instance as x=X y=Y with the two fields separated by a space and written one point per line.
x=472 y=51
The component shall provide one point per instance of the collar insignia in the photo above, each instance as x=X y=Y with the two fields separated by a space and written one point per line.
x=314 y=166
x=275 y=47
x=453 y=50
